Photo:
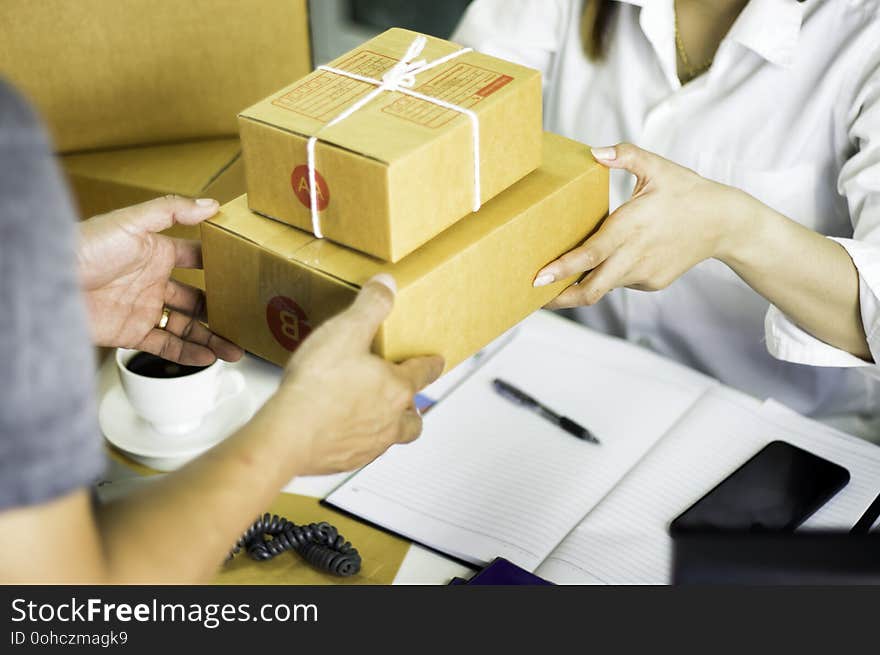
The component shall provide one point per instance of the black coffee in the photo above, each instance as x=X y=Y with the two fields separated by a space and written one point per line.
x=152 y=366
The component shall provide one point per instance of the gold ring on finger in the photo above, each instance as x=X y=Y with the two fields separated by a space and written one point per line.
x=163 y=322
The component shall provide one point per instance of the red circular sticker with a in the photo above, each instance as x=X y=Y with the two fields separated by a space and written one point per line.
x=287 y=322
x=299 y=180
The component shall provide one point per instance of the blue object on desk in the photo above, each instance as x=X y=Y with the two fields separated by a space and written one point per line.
x=422 y=402
x=502 y=572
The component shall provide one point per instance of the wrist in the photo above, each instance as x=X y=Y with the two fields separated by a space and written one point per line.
x=285 y=431
x=742 y=223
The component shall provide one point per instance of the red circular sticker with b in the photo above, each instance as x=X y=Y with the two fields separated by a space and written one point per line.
x=287 y=322
x=299 y=180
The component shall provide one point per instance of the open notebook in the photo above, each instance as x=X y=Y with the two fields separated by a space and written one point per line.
x=488 y=478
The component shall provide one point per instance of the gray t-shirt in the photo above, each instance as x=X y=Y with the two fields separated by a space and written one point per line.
x=49 y=439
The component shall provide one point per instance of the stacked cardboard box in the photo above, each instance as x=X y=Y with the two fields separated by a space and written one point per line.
x=109 y=74
x=106 y=180
x=400 y=170
x=394 y=188
x=141 y=97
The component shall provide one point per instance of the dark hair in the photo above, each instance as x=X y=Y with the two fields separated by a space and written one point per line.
x=595 y=21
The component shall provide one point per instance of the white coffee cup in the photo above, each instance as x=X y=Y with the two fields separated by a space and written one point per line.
x=177 y=406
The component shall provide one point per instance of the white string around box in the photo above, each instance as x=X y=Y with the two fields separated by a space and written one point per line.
x=401 y=77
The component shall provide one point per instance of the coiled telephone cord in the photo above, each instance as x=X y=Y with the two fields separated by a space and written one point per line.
x=320 y=544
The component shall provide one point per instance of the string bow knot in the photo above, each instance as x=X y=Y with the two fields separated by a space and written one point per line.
x=403 y=74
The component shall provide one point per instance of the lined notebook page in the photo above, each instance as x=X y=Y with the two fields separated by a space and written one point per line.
x=625 y=539
x=488 y=478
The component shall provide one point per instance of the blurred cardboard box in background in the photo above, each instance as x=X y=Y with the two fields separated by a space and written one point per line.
x=110 y=73
x=400 y=170
x=269 y=285
x=107 y=180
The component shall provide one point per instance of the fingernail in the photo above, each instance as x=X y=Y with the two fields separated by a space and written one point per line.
x=604 y=154
x=206 y=202
x=388 y=280
x=544 y=279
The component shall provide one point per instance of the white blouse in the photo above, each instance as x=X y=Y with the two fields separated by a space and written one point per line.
x=789 y=112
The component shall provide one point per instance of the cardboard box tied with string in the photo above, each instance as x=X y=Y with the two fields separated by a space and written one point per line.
x=392 y=143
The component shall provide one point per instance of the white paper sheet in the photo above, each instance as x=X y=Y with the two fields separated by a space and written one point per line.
x=488 y=478
x=625 y=539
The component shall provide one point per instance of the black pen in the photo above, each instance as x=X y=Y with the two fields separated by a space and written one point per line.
x=868 y=519
x=507 y=390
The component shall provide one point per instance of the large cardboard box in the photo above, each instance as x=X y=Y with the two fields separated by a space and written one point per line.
x=270 y=285
x=400 y=170
x=107 y=180
x=106 y=73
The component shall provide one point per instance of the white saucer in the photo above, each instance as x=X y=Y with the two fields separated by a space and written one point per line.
x=128 y=432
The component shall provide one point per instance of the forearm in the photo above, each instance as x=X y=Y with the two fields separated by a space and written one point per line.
x=807 y=276
x=180 y=529
x=337 y=408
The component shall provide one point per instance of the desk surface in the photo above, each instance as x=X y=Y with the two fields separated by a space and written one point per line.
x=420 y=566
